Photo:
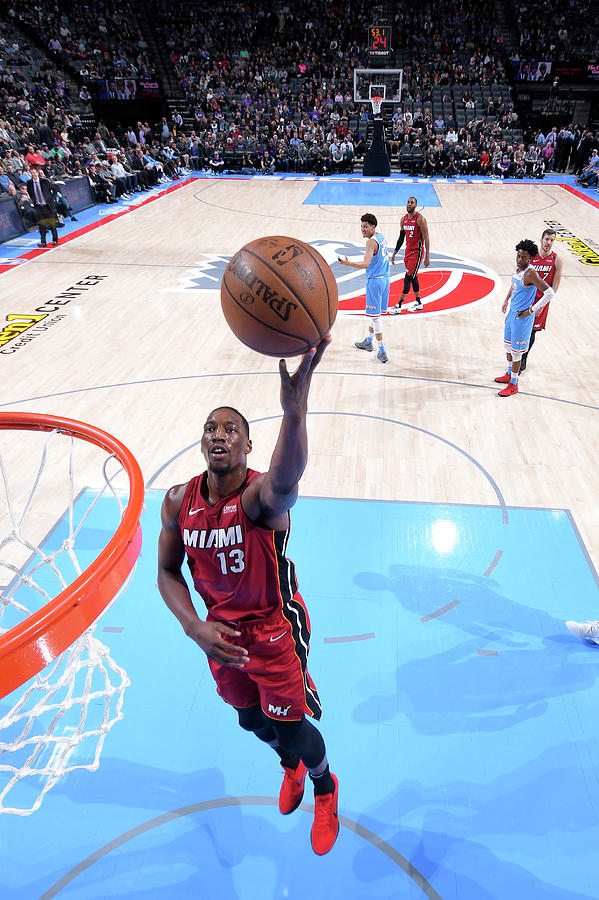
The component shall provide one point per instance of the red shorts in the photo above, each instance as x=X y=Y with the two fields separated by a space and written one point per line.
x=541 y=318
x=276 y=676
x=412 y=260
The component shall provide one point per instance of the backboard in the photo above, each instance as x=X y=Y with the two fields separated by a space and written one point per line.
x=385 y=83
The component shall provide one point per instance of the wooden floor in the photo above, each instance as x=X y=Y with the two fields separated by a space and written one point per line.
x=145 y=355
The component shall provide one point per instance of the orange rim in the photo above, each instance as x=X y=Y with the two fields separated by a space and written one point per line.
x=31 y=645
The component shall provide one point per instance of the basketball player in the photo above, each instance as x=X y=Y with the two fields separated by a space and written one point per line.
x=233 y=524
x=376 y=263
x=523 y=307
x=414 y=230
x=549 y=266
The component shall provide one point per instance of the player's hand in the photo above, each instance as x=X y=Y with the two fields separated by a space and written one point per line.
x=294 y=388
x=343 y=260
x=524 y=313
x=210 y=637
x=504 y=307
x=393 y=259
x=427 y=262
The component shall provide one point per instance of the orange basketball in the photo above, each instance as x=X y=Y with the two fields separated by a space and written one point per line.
x=279 y=296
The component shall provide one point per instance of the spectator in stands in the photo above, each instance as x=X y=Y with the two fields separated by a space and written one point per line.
x=216 y=163
x=590 y=173
x=27 y=206
x=102 y=191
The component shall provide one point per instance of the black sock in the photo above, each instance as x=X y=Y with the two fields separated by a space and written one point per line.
x=323 y=783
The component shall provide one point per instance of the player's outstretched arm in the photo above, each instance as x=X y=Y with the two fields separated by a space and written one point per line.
x=268 y=498
x=371 y=248
x=175 y=593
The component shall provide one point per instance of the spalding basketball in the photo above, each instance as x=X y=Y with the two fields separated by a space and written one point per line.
x=279 y=296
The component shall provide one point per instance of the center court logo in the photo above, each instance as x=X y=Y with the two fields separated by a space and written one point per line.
x=449 y=283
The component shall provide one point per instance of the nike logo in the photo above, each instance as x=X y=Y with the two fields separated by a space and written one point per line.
x=192 y=512
x=278 y=638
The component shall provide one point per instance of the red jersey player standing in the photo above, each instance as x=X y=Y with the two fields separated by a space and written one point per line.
x=549 y=267
x=233 y=524
x=414 y=230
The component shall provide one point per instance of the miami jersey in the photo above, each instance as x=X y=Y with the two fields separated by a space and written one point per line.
x=545 y=266
x=239 y=569
x=379 y=264
x=410 y=225
x=523 y=296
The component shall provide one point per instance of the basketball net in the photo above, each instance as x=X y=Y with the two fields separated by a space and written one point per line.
x=70 y=706
x=376 y=103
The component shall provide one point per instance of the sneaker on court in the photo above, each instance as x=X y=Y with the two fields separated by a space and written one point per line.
x=418 y=305
x=589 y=631
x=382 y=356
x=364 y=345
x=394 y=310
x=503 y=379
x=326 y=821
x=508 y=390
x=292 y=789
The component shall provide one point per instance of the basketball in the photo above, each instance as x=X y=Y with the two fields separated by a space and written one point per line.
x=279 y=296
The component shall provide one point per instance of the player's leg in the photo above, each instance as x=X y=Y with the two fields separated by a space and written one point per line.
x=379 y=299
x=507 y=343
x=288 y=696
x=407 y=282
x=525 y=355
x=521 y=330
x=306 y=740
x=415 y=283
x=371 y=313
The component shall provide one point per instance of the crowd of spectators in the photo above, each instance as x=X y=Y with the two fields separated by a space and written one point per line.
x=266 y=92
x=568 y=31
x=102 y=40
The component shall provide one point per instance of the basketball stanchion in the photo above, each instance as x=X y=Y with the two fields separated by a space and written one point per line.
x=63 y=692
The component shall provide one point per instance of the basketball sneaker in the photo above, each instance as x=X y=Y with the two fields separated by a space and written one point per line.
x=326 y=820
x=418 y=305
x=382 y=356
x=503 y=379
x=292 y=789
x=364 y=345
x=395 y=310
x=508 y=390
x=589 y=631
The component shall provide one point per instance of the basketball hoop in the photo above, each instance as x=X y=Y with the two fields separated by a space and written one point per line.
x=376 y=103
x=37 y=737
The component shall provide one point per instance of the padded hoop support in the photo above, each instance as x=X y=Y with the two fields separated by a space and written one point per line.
x=28 y=647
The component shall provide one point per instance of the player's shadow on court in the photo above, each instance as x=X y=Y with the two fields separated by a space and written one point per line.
x=458 y=689
x=545 y=795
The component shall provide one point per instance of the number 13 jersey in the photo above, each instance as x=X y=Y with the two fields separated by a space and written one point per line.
x=239 y=568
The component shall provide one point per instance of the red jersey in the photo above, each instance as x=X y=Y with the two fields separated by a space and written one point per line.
x=239 y=569
x=409 y=224
x=545 y=267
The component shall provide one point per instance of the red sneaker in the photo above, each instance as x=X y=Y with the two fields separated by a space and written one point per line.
x=503 y=379
x=508 y=391
x=292 y=789
x=326 y=821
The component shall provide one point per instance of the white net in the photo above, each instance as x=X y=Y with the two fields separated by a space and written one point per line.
x=58 y=721
x=376 y=103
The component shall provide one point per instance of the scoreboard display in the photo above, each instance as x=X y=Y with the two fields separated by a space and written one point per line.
x=379 y=40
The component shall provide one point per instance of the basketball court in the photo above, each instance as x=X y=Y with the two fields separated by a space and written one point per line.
x=442 y=537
